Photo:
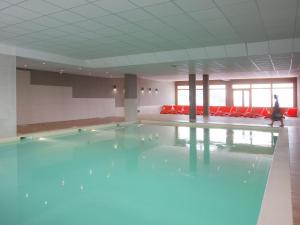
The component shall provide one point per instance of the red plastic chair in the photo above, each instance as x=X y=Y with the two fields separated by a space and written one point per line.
x=165 y=109
x=199 y=110
x=178 y=109
x=291 y=112
x=223 y=111
x=239 y=111
x=255 y=112
x=231 y=110
x=186 y=110
x=213 y=109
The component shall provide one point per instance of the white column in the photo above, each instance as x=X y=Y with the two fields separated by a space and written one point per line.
x=8 y=113
x=130 y=101
x=298 y=94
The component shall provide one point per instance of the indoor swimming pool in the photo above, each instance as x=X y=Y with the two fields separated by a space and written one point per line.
x=136 y=175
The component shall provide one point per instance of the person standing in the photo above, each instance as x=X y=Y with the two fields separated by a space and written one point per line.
x=276 y=114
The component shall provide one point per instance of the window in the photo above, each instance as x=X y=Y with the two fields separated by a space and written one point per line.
x=217 y=95
x=261 y=95
x=241 y=94
x=285 y=94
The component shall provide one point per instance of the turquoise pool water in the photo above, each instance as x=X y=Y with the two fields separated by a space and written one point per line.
x=136 y=175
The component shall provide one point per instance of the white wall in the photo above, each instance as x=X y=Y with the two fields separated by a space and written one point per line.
x=7 y=96
x=151 y=103
x=40 y=103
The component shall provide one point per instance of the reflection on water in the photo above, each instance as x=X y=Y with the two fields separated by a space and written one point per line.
x=231 y=139
x=141 y=174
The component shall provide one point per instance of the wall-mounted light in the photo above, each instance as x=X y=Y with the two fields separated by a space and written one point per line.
x=114 y=88
x=61 y=71
x=156 y=90
x=142 y=90
x=149 y=90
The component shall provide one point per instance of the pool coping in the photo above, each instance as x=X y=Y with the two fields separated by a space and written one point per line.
x=276 y=207
x=62 y=131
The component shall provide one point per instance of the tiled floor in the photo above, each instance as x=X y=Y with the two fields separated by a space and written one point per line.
x=293 y=125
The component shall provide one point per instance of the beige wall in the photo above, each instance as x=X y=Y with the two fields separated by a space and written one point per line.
x=48 y=103
x=82 y=86
x=47 y=97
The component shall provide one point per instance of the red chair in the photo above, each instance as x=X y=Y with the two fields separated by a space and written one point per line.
x=255 y=112
x=178 y=109
x=231 y=110
x=291 y=112
x=223 y=111
x=186 y=110
x=213 y=109
x=240 y=111
x=167 y=109
x=266 y=113
x=199 y=110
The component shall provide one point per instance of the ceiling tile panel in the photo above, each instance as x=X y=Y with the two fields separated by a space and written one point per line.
x=206 y=15
x=67 y=17
x=194 y=5
x=20 y=12
x=48 y=22
x=116 y=5
x=165 y=9
x=110 y=20
x=147 y=2
x=67 y=4
x=136 y=15
x=40 y=6
x=90 y=11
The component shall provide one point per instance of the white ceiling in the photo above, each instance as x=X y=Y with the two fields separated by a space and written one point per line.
x=98 y=29
x=87 y=29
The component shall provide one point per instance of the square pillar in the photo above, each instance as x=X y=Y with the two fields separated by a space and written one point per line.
x=205 y=95
x=130 y=101
x=8 y=109
x=192 y=95
x=229 y=94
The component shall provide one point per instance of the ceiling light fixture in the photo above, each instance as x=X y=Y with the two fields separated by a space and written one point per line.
x=142 y=90
x=44 y=63
x=156 y=90
x=149 y=90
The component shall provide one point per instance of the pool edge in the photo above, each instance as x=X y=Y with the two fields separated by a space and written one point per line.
x=276 y=208
x=62 y=131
